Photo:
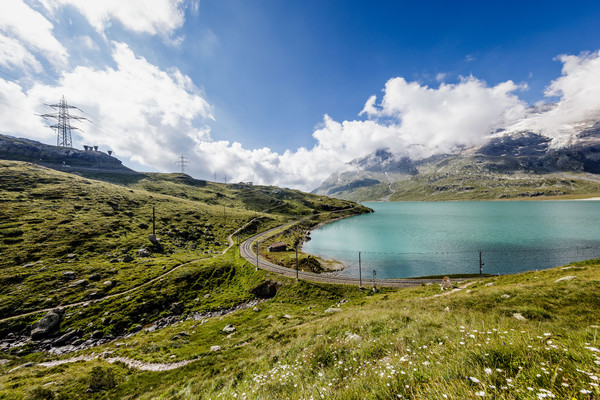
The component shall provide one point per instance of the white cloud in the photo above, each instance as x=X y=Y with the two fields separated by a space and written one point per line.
x=20 y=22
x=156 y=17
x=14 y=55
x=578 y=92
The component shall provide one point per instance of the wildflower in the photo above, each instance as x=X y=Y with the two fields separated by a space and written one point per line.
x=585 y=391
x=474 y=380
x=488 y=371
x=480 y=393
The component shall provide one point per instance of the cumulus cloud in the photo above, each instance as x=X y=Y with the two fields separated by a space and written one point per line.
x=140 y=16
x=19 y=22
x=578 y=105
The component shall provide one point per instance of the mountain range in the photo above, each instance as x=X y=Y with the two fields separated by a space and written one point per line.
x=510 y=164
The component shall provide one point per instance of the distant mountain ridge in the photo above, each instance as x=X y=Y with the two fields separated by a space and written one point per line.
x=529 y=164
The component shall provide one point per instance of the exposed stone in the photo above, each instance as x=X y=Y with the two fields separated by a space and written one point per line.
x=94 y=277
x=489 y=284
x=97 y=335
x=519 y=316
x=207 y=295
x=176 y=308
x=46 y=325
x=266 y=290
x=154 y=240
x=505 y=296
x=69 y=275
x=332 y=310
x=215 y=348
x=127 y=258
x=107 y=284
x=114 y=260
x=229 y=329
x=26 y=365
x=287 y=316
x=66 y=338
x=143 y=252
x=565 y=278
x=79 y=282
x=256 y=309
x=447 y=309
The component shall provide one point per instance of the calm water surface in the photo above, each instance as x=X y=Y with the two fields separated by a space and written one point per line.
x=408 y=239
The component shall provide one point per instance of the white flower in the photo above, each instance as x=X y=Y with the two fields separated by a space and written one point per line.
x=480 y=393
x=585 y=391
x=488 y=371
x=475 y=380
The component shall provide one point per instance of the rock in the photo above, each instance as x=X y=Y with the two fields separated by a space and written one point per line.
x=215 y=348
x=80 y=282
x=143 y=252
x=26 y=365
x=66 y=338
x=446 y=284
x=70 y=275
x=71 y=256
x=176 y=308
x=256 y=309
x=266 y=290
x=519 y=316
x=207 y=295
x=154 y=240
x=447 y=309
x=286 y=316
x=97 y=335
x=46 y=325
x=114 y=260
x=127 y=258
x=332 y=310
x=270 y=317
x=94 y=277
x=229 y=329
x=180 y=335
x=505 y=296
x=353 y=336
x=565 y=278
x=107 y=284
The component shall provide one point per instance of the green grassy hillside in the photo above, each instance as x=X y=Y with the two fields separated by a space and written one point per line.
x=525 y=336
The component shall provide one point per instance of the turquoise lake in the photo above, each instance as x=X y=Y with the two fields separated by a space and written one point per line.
x=409 y=239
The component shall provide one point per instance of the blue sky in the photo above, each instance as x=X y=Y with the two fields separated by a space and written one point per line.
x=280 y=92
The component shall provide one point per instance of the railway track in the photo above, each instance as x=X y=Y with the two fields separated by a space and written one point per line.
x=248 y=253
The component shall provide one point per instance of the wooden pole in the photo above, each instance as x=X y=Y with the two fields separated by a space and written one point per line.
x=359 y=273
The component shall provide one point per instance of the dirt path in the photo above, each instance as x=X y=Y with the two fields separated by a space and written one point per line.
x=131 y=363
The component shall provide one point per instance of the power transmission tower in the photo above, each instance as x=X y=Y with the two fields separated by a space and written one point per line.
x=63 y=122
x=182 y=162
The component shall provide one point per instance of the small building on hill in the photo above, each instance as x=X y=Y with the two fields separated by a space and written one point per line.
x=279 y=246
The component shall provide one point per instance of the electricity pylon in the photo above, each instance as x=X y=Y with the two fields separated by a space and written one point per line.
x=182 y=162
x=63 y=122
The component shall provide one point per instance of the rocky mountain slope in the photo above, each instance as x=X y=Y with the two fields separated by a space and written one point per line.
x=510 y=165
x=60 y=158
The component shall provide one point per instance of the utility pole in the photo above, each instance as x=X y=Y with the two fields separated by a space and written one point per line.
x=297 y=263
x=182 y=162
x=63 y=122
x=360 y=286
x=257 y=256
x=374 y=286
x=481 y=264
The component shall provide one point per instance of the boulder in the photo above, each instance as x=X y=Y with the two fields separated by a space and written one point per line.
x=176 y=308
x=266 y=290
x=107 y=284
x=154 y=240
x=215 y=348
x=94 y=277
x=79 y=282
x=519 y=316
x=143 y=252
x=66 y=338
x=70 y=275
x=46 y=325
x=127 y=258
x=229 y=329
